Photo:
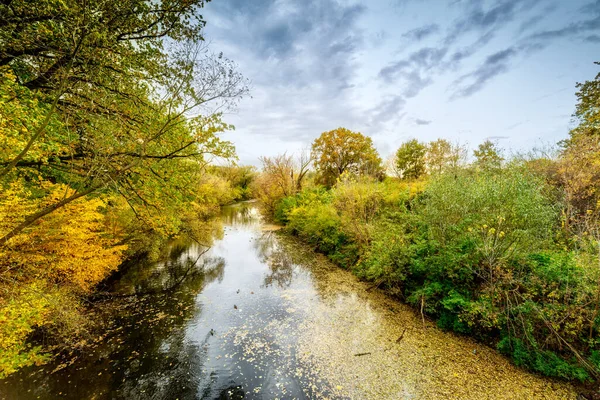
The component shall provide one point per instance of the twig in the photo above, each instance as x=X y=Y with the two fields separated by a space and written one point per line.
x=401 y=336
x=422 y=306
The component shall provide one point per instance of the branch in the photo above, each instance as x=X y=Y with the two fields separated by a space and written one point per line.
x=46 y=121
x=39 y=131
x=45 y=211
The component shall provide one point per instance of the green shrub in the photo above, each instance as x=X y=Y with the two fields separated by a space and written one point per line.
x=387 y=259
x=284 y=207
x=544 y=362
x=318 y=224
x=478 y=251
x=502 y=213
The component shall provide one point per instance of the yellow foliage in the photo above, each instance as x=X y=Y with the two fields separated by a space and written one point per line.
x=69 y=246
x=29 y=307
x=13 y=206
x=412 y=187
x=43 y=268
x=579 y=169
x=342 y=150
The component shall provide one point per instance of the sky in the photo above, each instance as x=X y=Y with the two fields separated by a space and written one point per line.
x=463 y=70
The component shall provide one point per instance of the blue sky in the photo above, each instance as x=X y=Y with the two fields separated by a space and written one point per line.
x=464 y=70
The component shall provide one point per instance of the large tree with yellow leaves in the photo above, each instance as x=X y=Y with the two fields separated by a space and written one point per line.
x=343 y=151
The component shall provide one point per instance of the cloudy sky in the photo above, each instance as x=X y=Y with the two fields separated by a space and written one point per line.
x=465 y=70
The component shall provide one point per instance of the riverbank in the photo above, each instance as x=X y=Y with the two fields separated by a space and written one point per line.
x=260 y=315
x=481 y=253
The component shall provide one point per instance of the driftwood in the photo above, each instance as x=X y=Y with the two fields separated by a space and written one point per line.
x=401 y=336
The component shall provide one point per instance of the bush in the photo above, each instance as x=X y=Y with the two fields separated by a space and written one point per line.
x=478 y=251
x=388 y=257
x=502 y=213
x=358 y=202
x=544 y=362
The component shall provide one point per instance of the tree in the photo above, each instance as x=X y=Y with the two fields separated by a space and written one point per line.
x=442 y=155
x=110 y=112
x=90 y=41
x=488 y=156
x=286 y=171
x=280 y=170
x=341 y=150
x=282 y=176
x=125 y=98
x=410 y=160
x=239 y=176
x=93 y=56
x=579 y=170
x=588 y=107
x=579 y=165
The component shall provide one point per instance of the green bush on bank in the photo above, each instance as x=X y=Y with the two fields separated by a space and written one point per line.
x=478 y=251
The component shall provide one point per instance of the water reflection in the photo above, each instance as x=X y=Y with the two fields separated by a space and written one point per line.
x=280 y=263
x=241 y=214
x=145 y=353
x=259 y=316
x=173 y=325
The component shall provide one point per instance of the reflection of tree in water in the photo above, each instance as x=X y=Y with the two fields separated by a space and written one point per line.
x=281 y=270
x=286 y=255
x=144 y=354
x=142 y=275
x=240 y=214
x=171 y=367
x=147 y=276
x=265 y=245
x=281 y=265
x=232 y=393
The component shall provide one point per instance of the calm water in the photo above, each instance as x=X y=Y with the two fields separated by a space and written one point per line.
x=258 y=316
x=185 y=342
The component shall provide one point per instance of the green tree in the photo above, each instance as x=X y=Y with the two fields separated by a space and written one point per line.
x=442 y=155
x=488 y=156
x=410 y=160
x=588 y=107
x=123 y=94
x=343 y=151
x=109 y=117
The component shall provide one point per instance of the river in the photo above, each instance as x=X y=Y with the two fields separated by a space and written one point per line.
x=260 y=316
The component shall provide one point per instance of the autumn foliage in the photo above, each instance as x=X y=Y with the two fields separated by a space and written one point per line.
x=110 y=116
x=342 y=150
x=42 y=270
x=503 y=249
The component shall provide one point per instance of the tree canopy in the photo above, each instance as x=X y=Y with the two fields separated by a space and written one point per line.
x=410 y=161
x=588 y=107
x=443 y=155
x=110 y=114
x=341 y=150
x=117 y=96
x=488 y=155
